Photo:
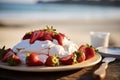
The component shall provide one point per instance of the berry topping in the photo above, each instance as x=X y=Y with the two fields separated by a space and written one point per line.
x=27 y=36
x=34 y=36
x=88 y=50
x=69 y=60
x=13 y=60
x=7 y=54
x=33 y=60
x=59 y=37
x=52 y=61
x=45 y=34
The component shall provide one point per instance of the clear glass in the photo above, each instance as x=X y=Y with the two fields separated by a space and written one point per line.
x=99 y=39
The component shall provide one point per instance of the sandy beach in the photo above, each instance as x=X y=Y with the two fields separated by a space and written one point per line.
x=76 y=21
x=77 y=30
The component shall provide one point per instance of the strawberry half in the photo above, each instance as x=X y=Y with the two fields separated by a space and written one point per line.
x=82 y=48
x=27 y=36
x=41 y=34
x=13 y=60
x=48 y=37
x=80 y=56
x=33 y=60
x=69 y=60
x=9 y=53
x=89 y=52
x=59 y=37
x=35 y=35
x=52 y=61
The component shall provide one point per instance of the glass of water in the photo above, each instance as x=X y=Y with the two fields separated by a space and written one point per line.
x=99 y=39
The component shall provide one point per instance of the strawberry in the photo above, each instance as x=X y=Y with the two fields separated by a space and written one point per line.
x=35 y=35
x=59 y=37
x=48 y=37
x=33 y=60
x=89 y=52
x=80 y=56
x=41 y=35
x=2 y=52
x=8 y=53
x=27 y=36
x=82 y=48
x=69 y=60
x=13 y=60
x=49 y=33
x=52 y=61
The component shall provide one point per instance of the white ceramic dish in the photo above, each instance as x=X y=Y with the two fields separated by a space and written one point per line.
x=110 y=51
x=96 y=59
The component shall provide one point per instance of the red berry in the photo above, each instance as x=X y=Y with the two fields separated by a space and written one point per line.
x=41 y=35
x=52 y=61
x=13 y=60
x=89 y=52
x=48 y=37
x=33 y=60
x=35 y=35
x=27 y=36
x=82 y=48
x=59 y=37
x=68 y=60
x=9 y=53
x=80 y=56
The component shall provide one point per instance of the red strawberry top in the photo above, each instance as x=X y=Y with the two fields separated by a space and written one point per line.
x=44 y=34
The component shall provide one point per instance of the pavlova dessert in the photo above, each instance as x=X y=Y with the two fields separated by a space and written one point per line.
x=46 y=47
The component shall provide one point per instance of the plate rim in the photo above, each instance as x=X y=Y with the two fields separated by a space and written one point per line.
x=97 y=58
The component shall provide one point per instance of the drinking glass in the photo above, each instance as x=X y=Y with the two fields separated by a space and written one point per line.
x=99 y=39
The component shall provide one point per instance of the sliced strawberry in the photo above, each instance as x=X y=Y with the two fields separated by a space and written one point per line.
x=52 y=61
x=48 y=37
x=80 y=56
x=33 y=60
x=27 y=36
x=9 y=53
x=81 y=53
x=82 y=48
x=13 y=60
x=41 y=35
x=89 y=52
x=2 y=52
x=35 y=35
x=59 y=37
x=69 y=60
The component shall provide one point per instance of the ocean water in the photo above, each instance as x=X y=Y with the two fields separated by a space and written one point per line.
x=56 y=11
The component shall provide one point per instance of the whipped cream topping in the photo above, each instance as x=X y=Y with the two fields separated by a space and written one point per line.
x=43 y=48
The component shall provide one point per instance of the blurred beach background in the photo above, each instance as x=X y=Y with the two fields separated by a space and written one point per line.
x=75 y=18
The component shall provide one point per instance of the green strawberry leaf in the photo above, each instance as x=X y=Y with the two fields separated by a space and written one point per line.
x=2 y=52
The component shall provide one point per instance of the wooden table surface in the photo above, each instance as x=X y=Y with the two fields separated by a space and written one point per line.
x=113 y=73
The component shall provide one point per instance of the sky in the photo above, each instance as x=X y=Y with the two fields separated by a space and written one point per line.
x=18 y=1
x=24 y=1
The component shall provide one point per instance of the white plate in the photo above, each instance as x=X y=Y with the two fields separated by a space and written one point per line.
x=109 y=51
x=96 y=59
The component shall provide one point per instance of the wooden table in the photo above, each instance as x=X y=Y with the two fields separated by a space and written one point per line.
x=113 y=73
